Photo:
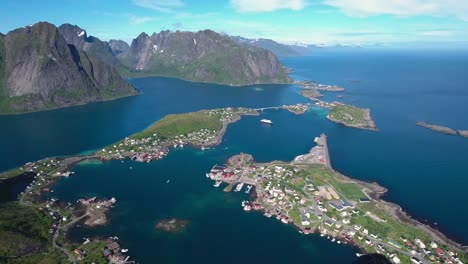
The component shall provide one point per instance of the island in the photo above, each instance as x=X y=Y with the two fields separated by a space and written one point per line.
x=310 y=195
x=463 y=133
x=311 y=94
x=311 y=85
x=443 y=129
x=351 y=116
x=340 y=113
x=437 y=128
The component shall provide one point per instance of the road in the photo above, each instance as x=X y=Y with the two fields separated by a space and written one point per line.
x=69 y=255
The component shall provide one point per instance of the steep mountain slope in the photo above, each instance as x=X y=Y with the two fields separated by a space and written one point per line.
x=42 y=71
x=91 y=45
x=203 y=56
x=118 y=46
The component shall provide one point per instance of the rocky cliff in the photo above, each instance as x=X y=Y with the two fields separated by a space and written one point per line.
x=118 y=46
x=40 y=70
x=203 y=56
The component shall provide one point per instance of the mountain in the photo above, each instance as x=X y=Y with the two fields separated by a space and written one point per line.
x=40 y=70
x=118 y=46
x=279 y=49
x=101 y=49
x=203 y=56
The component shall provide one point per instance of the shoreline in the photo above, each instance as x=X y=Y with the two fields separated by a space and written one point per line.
x=261 y=201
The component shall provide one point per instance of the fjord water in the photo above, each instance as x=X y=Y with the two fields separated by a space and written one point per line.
x=424 y=171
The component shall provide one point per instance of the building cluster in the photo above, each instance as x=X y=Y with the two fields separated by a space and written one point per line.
x=286 y=192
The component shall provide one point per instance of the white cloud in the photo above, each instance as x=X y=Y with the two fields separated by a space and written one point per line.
x=137 y=20
x=159 y=5
x=437 y=33
x=245 y=6
x=457 y=8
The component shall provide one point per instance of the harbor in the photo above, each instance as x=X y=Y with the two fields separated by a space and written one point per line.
x=308 y=194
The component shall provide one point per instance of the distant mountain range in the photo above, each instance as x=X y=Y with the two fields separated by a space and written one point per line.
x=43 y=67
x=279 y=49
x=291 y=50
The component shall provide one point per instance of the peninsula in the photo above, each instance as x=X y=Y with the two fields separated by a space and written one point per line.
x=309 y=194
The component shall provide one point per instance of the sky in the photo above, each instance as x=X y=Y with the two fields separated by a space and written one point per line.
x=329 y=22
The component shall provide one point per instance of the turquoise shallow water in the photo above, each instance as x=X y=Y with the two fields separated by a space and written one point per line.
x=424 y=171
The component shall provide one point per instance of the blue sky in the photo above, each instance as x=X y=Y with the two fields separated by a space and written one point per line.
x=368 y=22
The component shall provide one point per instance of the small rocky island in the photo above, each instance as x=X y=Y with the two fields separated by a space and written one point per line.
x=437 y=128
x=172 y=225
x=351 y=116
x=311 y=85
x=443 y=129
x=463 y=133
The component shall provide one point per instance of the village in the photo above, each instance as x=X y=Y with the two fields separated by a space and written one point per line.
x=319 y=87
x=309 y=195
x=155 y=142
x=91 y=212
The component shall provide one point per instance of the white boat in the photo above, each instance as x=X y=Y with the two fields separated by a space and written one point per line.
x=207 y=175
x=239 y=187
x=266 y=121
x=333 y=240
x=247 y=190
x=124 y=250
x=217 y=183
x=247 y=207
x=167 y=181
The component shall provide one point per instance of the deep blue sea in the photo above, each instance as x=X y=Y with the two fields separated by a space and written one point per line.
x=424 y=171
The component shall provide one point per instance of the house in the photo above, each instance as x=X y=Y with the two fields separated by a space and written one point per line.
x=329 y=222
x=114 y=247
x=439 y=251
x=364 y=200
x=304 y=220
x=347 y=204
x=337 y=205
x=106 y=253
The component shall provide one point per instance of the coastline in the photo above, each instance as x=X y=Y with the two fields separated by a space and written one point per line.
x=260 y=200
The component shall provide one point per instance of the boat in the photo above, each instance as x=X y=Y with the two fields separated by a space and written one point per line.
x=322 y=235
x=124 y=250
x=267 y=215
x=247 y=207
x=203 y=148
x=266 y=121
x=217 y=183
x=358 y=255
x=247 y=190
x=167 y=181
x=333 y=240
x=239 y=187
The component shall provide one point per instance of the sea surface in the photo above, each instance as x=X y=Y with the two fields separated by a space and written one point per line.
x=424 y=171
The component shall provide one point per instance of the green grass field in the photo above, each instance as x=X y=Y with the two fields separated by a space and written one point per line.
x=348 y=114
x=180 y=124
